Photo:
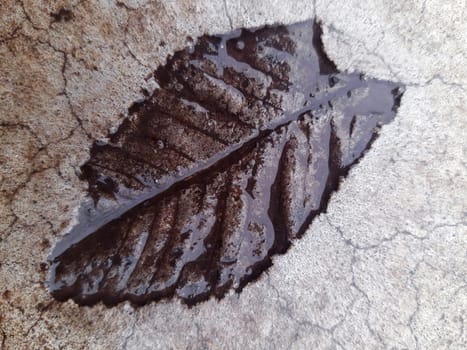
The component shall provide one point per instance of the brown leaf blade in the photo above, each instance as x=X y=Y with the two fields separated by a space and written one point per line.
x=220 y=169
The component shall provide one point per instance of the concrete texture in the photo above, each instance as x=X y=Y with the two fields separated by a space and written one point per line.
x=386 y=267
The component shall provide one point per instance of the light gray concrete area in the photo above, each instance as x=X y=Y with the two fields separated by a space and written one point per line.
x=385 y=268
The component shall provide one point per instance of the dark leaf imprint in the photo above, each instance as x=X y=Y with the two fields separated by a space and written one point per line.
x=227 y=162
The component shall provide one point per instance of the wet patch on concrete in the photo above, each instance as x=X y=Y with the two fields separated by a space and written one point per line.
x=220 y=168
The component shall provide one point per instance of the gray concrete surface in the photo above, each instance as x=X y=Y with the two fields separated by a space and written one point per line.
x=385 y=268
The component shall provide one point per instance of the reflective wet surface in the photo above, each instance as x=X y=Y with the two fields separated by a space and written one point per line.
x=227 y=162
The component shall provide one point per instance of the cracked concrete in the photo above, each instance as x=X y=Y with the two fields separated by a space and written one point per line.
x=386 y=267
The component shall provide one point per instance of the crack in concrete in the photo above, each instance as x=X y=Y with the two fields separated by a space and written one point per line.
x=412 y=272
x=41 y=314
x=442 y=80
x=305 y=323
x=3 y=342
x=133 y=55
x=342 y=34
x=28 y=17
x=132 y=331
x=125 y=35
x=67 y=96
x=227 y=13
x=417 y=301
x=63 y=72
x=125 y=6
x=332 y=29
x=51 y=22
x=462 y=329
x=357 y=246
x=353 y=284
x=44 y=146
x=422 y=13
